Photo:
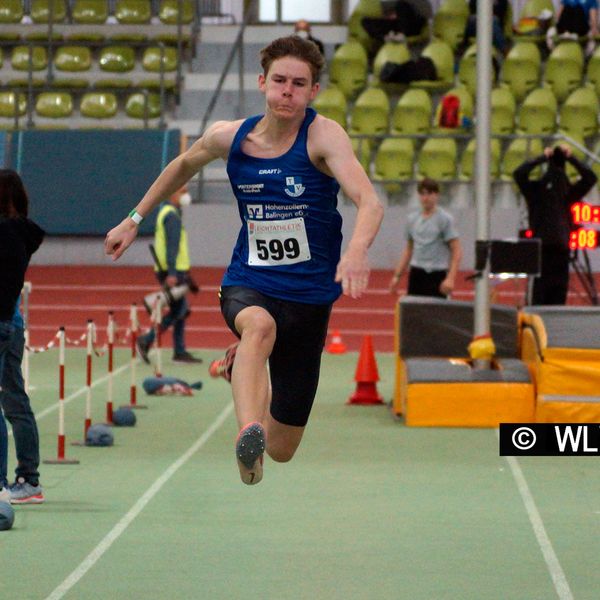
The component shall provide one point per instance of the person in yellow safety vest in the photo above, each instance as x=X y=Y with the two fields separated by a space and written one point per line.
x=173 y=258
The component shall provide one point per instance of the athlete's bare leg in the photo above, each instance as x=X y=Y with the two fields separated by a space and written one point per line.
x=251 y=388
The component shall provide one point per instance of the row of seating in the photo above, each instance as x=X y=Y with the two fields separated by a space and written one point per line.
x=92 y=105
x=522 y=69
x=96 y=12
x=400 y=160
x=373 y=113
x=449 y=21
x=80 y=59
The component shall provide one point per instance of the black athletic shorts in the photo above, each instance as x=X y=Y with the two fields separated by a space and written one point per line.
x=295 y=362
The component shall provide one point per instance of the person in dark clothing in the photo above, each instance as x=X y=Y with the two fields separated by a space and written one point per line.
x=19 y=239
x=500 y=11
x=173 y=269
x=408 y=18
x=303 y=30
x=549 y=202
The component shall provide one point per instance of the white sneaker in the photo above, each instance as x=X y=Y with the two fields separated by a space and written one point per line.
x=4 y=495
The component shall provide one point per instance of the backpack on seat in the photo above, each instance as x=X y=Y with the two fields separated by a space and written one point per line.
x=449 y=114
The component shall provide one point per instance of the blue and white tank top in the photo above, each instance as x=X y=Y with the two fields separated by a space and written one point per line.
x=289 y=243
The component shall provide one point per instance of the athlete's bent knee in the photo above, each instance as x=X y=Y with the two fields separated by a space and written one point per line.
x=281 y=455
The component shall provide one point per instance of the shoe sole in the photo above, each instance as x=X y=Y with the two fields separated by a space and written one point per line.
x=28 y=500
x=249 y=451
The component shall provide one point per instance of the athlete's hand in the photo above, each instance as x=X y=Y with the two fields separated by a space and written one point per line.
x=353 y=272
x=120 y=238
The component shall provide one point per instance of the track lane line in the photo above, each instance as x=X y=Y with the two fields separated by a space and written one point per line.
x=113 y=535
x=559 y=579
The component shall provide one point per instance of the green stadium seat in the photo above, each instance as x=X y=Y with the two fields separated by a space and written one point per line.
x=73 y=58
x=9 y=36
x=98 y=105
x=467 y=70
x=10 y=102
x=518 y=151
x=331 y=103
x=54 y=105
x=137 y=107
x=449 y=21
x=11 y=11
x=151 y=60
x=133 y=12
x=394 y=160
x=537 y=114
x=504 y=109
x=1 y=58
x=154 y=84
x=593 y=71
x=40 y=11
x=90 y=11
x=356 y=32
x=521 y=69
x=117 y=59
x=394 y=52
x=578 y=116
x=348 y=68
x=442 y=56
x=363 y=149
x=467 y=162
x=168 y=12
x=437 y=159
x=532 y=9
x=371 y=113
x=412 y=114
x=20 y=58
x=564 y=69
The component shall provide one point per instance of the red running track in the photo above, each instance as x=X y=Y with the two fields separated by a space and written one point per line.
x=70 y=295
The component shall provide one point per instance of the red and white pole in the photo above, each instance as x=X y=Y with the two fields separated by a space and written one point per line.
x=110 y=335
x=90 y=332
x=157 y=318
x=134 y=323
x=60 y=459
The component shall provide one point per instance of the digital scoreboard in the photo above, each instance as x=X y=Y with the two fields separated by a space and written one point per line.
x=584 y=237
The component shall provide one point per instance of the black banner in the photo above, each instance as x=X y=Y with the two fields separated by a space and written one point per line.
x=550 y=439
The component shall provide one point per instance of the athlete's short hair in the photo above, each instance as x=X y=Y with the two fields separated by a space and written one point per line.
x=13 y=197
x=293 y=45
x=428 y=185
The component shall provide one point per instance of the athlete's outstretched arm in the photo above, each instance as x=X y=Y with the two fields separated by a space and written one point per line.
x=213 y=144
x=333 y=144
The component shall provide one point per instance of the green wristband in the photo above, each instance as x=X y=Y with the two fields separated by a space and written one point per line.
x=136 y=217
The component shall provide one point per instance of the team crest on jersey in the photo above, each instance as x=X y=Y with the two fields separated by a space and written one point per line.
x=294 y=187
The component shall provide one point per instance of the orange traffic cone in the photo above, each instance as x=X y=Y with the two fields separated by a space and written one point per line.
x=366 y=375
x=336 y=346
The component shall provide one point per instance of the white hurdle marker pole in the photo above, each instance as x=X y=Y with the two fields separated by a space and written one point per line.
x=134 y=328
x=60 y=458
x=110 y=335
x=25 y=306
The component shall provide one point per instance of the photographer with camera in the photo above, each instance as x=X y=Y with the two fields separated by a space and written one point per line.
x=549 y=200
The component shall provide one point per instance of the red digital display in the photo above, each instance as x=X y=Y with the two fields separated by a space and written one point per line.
x=585 y=214
x=583 y=239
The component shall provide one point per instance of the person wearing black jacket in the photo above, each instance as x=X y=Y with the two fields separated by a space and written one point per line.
x=19 y=239
x=549 y=202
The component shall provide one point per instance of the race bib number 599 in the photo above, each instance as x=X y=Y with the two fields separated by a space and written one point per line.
x=281 y=242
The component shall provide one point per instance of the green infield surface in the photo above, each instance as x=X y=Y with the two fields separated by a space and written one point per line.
x=367 y=509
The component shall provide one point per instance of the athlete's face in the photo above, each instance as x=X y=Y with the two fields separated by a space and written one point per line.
x=288 y=87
